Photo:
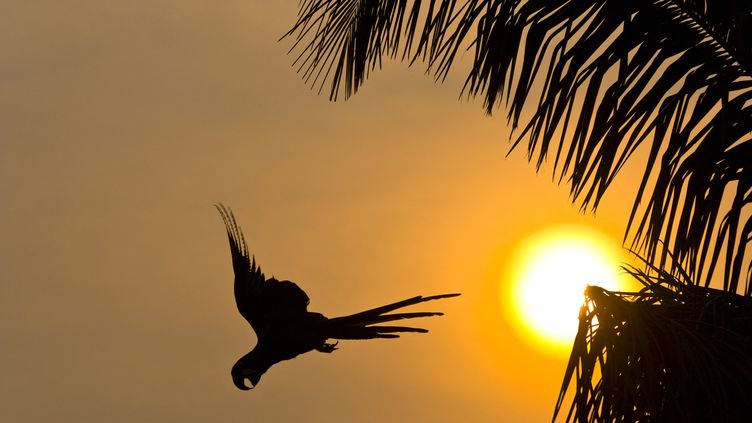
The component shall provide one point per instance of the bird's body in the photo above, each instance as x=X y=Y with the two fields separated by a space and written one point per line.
x=278 y=313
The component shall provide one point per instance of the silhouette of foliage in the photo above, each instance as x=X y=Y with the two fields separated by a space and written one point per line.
x=601 y=78
x=672 y=352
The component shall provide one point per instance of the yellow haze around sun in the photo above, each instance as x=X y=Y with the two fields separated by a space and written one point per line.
x=543 y=289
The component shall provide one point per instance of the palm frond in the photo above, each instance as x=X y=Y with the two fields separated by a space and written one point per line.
x=671 y=352
x=602 y=78
x=343 y=41
x=622 y=73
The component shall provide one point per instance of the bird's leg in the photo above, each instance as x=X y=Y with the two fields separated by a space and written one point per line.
x=327 y=348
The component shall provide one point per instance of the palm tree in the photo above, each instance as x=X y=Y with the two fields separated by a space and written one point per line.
x=600 y=79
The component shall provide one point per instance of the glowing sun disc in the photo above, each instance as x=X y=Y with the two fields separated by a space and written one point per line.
x=552 y=269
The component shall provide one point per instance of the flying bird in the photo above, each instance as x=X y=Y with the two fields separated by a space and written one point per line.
x=278 y=313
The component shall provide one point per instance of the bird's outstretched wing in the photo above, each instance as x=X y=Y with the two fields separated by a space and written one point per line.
x=261 y=301
x=249 y=280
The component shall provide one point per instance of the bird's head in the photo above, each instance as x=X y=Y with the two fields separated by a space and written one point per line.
x=247 y=368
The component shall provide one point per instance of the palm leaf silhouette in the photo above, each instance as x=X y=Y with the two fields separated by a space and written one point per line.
x=672 y=352
x=600 y=78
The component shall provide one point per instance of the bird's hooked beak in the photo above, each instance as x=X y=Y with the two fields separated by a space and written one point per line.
x=240 y=375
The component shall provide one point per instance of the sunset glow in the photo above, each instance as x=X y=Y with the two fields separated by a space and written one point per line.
x=552 y=269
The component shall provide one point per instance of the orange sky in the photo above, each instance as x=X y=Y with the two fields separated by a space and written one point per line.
x=121 y=124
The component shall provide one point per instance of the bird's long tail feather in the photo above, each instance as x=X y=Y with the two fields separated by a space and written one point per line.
x=358 y=325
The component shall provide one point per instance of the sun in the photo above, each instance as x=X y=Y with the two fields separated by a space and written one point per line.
x=550 y=271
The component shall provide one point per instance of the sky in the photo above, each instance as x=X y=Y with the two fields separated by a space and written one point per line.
x=122 y=123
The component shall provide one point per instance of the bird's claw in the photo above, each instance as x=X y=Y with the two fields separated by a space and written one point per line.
x=327 y=348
